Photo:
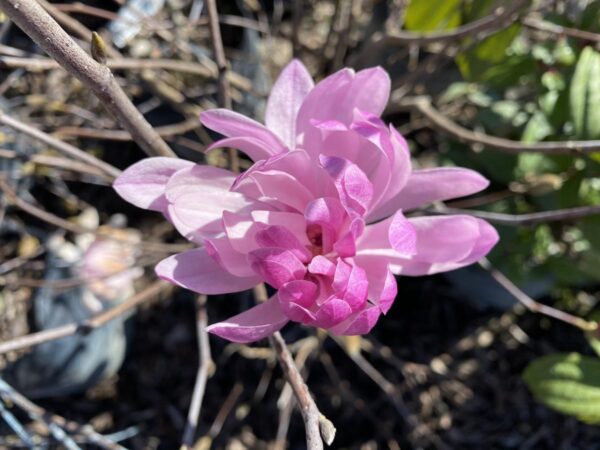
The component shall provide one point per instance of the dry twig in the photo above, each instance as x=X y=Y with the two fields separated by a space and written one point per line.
x=205 y=369
x=443 y=123
x=86 y=326
x=42 y=28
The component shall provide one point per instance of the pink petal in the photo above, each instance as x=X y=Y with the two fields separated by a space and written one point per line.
x=198 y=197
x=320 y=265
x=360 y=323
x=346 y=245
x=354 y=188
x=253 y=324
x=280 y=237
x=283 y=187
x=429 y=185
x=402 y=235
x=445 y=238
x=332 y=312
x=350 y=283
x=276 y=266
x=395 y=236
x=143 y=184
x=234 y=125
x=255 y=149
x=296 y=297
x=288 y=93
x=325 y=215
x=197 y=271
x=226 y=256
x=382 y=283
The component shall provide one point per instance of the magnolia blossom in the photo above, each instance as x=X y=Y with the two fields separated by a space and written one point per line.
x=320 y=216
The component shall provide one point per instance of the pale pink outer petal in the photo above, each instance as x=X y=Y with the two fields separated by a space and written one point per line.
x=226 y=256
x=437 y=250
x=253 y=324
x=231 y=124
x=429 y=185
x=288 y=93
x=198 y=196
x=197 y=271
x=255 y=149
x=143 y=184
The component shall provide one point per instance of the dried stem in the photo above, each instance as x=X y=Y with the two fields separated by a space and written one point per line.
x=501 y=17
x=443 y=123
x=525 y=219
x=42 y=28
x=318 y=427
x=223 y=81
x=534 y=306
x=87 y=325
x=205 y=369
x=53 y=421
x=63 y=147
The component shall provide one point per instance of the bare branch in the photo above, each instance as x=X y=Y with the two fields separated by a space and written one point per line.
x=40 y=27
x=205 y=369
x=501 y=17
x=59 y=145
x=54 y=421
x=558 y=30
x=524 y=219
x=443 y=123
x=534 y=306
x=224 y=97
x=85 y=326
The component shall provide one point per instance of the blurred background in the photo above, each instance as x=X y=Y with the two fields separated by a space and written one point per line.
x=497 y=86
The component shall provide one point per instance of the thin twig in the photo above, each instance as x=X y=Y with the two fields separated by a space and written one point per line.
x=73 y=227
x=318 y=427
x=87 y=325
x=223 y=81
x=59 y=145
x=501 y=17
x=558 y=30
x=534 y=306
x=53 y=420
x=192 y=68
x=42 y=28
x=524 y=219
x=205 y=369
x=443 y=123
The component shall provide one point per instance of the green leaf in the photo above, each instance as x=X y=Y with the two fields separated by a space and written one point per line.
x=537 y=128
x=567 y=383
x=594 y=340
x=490 y=61
x=430 y=16
x=585 y=95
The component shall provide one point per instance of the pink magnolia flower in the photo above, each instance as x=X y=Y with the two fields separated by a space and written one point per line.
x=319 y=216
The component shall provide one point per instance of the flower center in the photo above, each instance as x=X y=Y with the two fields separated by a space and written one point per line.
x=315 y=237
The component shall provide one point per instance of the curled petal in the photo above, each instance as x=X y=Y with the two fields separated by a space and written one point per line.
x=295 y=299
x=252 y=325
x=276 y=266
x=255 y=149
x=395 y=235
x=320 y=265
x=359 y=323
x=231 y=124
x=286 y=97
x=143 y=184
x=354 y=188
x=332 y=312
x=197 y=271
x=198 y=196
x=280 y=237
x=226 y=256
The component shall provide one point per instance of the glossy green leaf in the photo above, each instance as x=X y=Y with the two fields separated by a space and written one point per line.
x=585 y=95
x=568 y=383
x=432 y=15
